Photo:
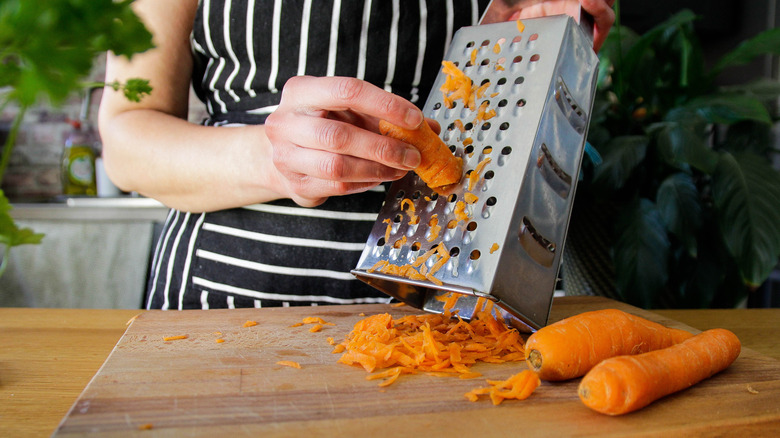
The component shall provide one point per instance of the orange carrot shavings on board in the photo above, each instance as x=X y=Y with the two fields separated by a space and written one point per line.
x=289 y=363
x=316 y=328
x=401 y=304
x=147 y=426
x=518 y=387
x=175 y=338
x=428 y=343
x=250 y=324
x=219 y=341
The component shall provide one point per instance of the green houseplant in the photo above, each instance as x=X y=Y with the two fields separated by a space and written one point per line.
x=681 y=188
x=47 y=48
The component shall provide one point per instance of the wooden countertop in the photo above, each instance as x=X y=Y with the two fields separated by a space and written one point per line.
x=49 y=355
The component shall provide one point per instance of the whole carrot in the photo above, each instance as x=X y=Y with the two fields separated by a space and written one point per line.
x=624 y=384
x=438 y=166
x=571 y=347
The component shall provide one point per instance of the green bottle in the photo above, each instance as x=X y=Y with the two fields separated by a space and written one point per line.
x=78 y=163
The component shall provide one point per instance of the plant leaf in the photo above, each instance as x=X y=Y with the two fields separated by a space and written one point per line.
x=683 y=141
x=622 y=155
x=678 y=204
x=746 y=190
x=641 y=254
x=10 y=234
x=729 y=108
x=764 y=43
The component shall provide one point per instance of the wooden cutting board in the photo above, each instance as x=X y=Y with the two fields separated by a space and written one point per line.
x=198 y=387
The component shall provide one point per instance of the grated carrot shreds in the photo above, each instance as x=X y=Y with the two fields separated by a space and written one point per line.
x=497 y=48
x=520 y=26
x=250 y=324
x=298 y=324
x=460 y=210
x=289 y=363
x=315 y=320
x=429 y=343
x=474 y=175
x=457 y=86
x=494 y=248
x=470 y=197
x=468 y=141
x=410 y=211
x=519 y=387
x=175 y=338
x=388 y=229
x=473 y=56
x=378 y=265
x=459 y=125
x=315 y=328
x=219 y=341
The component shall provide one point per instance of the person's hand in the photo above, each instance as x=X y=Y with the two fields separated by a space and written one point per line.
x=601 y=10
x=325 y=138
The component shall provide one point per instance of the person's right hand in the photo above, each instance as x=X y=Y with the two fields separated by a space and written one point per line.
x=325 y=139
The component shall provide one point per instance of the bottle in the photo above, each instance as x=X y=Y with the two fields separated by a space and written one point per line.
x=78 y=162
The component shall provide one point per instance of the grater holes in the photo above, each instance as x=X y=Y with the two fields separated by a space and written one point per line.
x=475 y=255
x=533 y=37
x=453 y=148
x=515 y=41
x=452 y=198
x=517 y=59
x=491 y=201
x=488 y=207
x=468 y=150
x=380 y=242
x=534 y=58
x=398 y=218
x=504 y=126
x=471 y=226
x=501 y=81
x=506 y=150
x=400 y=194
x=487 y=150
x=486 y=126
x=489 y=174
x=437 y=106
x=502 y=103
x=454 y=251
x=416 y=246
x=521 y=103
x=519 y=80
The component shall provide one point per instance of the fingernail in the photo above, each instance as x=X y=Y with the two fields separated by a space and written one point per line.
x=412 y=158
x=414 y=117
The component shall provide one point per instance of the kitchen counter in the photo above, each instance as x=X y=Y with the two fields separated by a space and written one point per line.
x=49 y=355
x=122 y=208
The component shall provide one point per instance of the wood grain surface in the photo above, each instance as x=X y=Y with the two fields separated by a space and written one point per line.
x=198 y=387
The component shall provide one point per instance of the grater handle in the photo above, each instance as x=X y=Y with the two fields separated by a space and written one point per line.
x=586 y=23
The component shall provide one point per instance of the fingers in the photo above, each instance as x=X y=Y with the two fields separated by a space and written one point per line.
x=603 y=17
x=339 y=138
x=312 y=95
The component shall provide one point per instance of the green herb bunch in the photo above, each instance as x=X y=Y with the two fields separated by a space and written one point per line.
x=47 y=49
x=685 y=168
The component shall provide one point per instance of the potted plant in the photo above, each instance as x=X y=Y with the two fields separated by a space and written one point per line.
x=678 y=206
x=47 y=48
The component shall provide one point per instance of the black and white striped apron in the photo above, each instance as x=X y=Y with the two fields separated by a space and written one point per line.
x=277 y=253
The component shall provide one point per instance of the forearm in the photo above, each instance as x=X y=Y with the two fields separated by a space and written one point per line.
x=186 y=166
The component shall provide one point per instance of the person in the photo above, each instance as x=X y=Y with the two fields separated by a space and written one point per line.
x=273 y=196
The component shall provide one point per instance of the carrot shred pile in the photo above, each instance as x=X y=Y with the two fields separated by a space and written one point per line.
x=519 y=387
x=457 y=86
x=429 y=343
x=289 y=363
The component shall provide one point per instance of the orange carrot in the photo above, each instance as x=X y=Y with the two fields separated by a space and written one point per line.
x=571 y=347
x=219 y=341
x=174 y=338
x=315 y=328
x=438 y=166
x=494 y=248
x=520 y=26
x=289 y=363
x=624 y=384
x=250 y=324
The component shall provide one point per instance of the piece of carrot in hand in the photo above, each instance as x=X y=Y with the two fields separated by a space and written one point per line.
x=438 y=166
x=626 y=383
x=571 y=347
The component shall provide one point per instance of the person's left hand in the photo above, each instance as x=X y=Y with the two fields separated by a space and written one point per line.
x=510 y=10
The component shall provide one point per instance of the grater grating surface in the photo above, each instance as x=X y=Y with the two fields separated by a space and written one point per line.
x=503 y=232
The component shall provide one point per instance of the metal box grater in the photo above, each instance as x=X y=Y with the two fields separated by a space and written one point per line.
x=542 y=83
